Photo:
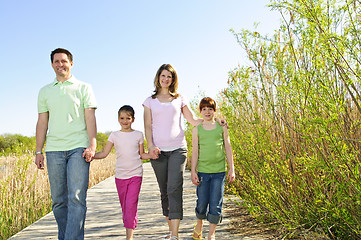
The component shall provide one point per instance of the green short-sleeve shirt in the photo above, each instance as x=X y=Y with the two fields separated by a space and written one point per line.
x=211 y=158
x=65 y=103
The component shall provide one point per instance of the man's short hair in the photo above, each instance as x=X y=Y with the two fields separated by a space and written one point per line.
x=61 y=50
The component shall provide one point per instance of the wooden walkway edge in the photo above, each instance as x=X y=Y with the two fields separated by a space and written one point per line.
x=104 y=218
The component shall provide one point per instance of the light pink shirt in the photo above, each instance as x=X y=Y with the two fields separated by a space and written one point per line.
x=167 y=129
x=126 y=145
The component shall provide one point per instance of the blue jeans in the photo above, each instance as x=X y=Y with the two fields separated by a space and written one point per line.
x=69 y=178
x=210 y=196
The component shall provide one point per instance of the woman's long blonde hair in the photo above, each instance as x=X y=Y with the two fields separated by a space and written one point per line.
x=173 y=86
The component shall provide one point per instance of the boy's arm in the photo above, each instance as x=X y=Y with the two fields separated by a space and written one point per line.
x=105 y=152
x=228 y=149
x=195 y=153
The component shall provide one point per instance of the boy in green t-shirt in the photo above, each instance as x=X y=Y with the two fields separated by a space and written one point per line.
x=211 y=147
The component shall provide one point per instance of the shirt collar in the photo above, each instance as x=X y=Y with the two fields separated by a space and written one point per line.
x=71 y=80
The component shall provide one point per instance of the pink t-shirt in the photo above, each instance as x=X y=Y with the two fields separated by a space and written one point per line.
x=126 y=145
x=167 y=129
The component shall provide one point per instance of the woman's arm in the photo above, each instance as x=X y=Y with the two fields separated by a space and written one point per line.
x=150 y=155
x=228 y=149
x=195 y=154
x=194 y=121
x=221 y=122
x=148 y=127
x=189 y=116
x=105 y=152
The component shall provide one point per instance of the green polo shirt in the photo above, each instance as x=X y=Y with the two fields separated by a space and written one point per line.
x=65 y=103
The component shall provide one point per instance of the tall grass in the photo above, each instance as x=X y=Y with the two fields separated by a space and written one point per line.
x=25 y=192
x=294 y=117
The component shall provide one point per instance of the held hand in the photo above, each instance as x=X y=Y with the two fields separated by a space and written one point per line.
x=222 y=122
x=39 y=161
x=231 y=176
x=154 y=151
x=195 y=179
x=153 y=155
x=88 y=154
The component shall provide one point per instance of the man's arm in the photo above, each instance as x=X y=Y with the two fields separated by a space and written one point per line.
x=91 y=127
x=41 y=130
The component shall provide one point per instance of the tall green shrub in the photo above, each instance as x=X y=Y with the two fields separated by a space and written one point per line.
x=294 y=118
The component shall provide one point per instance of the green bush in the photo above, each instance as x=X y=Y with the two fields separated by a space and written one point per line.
x=294 y=119
x=16 y=144
x=102 y=139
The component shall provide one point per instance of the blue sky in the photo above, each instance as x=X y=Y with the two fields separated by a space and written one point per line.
x=118 y=46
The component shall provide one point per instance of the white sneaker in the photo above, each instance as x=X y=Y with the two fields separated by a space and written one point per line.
x=174 y=238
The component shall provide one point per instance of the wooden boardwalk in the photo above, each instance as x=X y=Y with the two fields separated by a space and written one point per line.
x=104 y=218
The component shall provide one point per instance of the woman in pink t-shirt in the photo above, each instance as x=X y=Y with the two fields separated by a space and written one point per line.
x=128 y=167
x=164 y=133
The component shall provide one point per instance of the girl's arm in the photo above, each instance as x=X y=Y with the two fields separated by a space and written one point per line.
x=189 y=116
x=105 y=152
x=194 y=161
x=150 y=155
x=228 y=149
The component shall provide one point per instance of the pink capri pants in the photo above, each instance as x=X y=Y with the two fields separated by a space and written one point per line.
x=128 y=192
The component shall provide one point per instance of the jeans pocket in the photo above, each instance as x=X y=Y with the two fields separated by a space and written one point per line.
x=200 y=181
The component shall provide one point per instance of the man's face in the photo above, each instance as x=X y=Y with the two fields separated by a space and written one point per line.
x=62 y=65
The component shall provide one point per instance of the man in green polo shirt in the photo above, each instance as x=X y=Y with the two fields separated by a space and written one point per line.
x=67 y=121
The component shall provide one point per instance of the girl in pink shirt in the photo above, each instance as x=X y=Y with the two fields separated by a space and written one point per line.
x=128 y=168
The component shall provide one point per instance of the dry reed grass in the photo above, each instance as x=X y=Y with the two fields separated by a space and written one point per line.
x=25 y=190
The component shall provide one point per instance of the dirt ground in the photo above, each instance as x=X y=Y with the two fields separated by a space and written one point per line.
x=245 y=227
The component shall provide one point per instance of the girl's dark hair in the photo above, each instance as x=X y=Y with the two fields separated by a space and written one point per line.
x=128 y=109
